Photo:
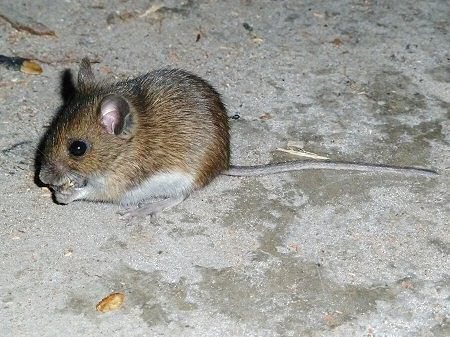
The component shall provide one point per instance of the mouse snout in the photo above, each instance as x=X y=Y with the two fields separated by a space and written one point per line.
x=58 y=177
x=46 y=176
x=51 y=174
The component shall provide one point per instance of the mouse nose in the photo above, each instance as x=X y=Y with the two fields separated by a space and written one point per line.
x=44 y=176
x=49 y=174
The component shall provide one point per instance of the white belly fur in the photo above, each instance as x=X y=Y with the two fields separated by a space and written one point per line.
x=161 y=185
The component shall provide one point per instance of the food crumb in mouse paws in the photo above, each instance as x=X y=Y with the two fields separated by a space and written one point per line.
x=46 y=192
x=111 y=302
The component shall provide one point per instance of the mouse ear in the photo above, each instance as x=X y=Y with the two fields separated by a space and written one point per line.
x=86 y=77
x=115 y=116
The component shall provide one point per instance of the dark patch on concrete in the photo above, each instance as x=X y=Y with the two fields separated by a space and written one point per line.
x=325 y=188
x=308 y=188
x=180 y=232
x=149 y=291
x=280 y=90
x=328 y=98
x=312 y=140
x=440 y=73
x=410 y=144
x=270 y=241
x=290 y=112
x=292 y=17
x=190 y=218
x=446 y=106
x=154 y=314
x=253 y=203
x=441 y=329
x=80 y=304
x=157 y=298
x=394 y=94
x=8 y=297
x=422 y=132
x=287 y=296
x=441 y=246
x=338 y=188
x=113 y=244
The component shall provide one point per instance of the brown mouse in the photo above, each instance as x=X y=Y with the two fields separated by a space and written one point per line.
x=150 y=141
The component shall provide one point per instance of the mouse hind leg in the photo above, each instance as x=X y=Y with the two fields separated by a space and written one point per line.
x=152 y=209
x=169 y=189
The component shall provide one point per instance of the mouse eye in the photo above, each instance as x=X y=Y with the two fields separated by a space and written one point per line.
x=78 y=148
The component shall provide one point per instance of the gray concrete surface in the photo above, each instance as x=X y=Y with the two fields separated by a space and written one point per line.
x=299 y=254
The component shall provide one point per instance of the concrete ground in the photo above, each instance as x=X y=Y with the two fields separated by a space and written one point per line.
x=313 y=253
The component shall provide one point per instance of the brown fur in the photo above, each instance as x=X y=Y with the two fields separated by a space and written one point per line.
x=179 y=123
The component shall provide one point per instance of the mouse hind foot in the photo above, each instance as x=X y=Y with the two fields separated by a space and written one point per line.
x=152 y=209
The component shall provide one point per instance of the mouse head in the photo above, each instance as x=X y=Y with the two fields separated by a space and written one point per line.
x=94 y=128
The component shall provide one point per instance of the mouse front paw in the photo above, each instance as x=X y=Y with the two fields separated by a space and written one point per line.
x=65 y=196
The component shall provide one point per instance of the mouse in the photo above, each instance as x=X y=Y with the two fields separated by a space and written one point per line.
x=148 y=142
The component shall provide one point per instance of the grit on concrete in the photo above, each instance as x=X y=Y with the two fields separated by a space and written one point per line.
x=300 y=254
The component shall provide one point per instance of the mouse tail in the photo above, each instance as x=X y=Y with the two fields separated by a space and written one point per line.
x=299 y=165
